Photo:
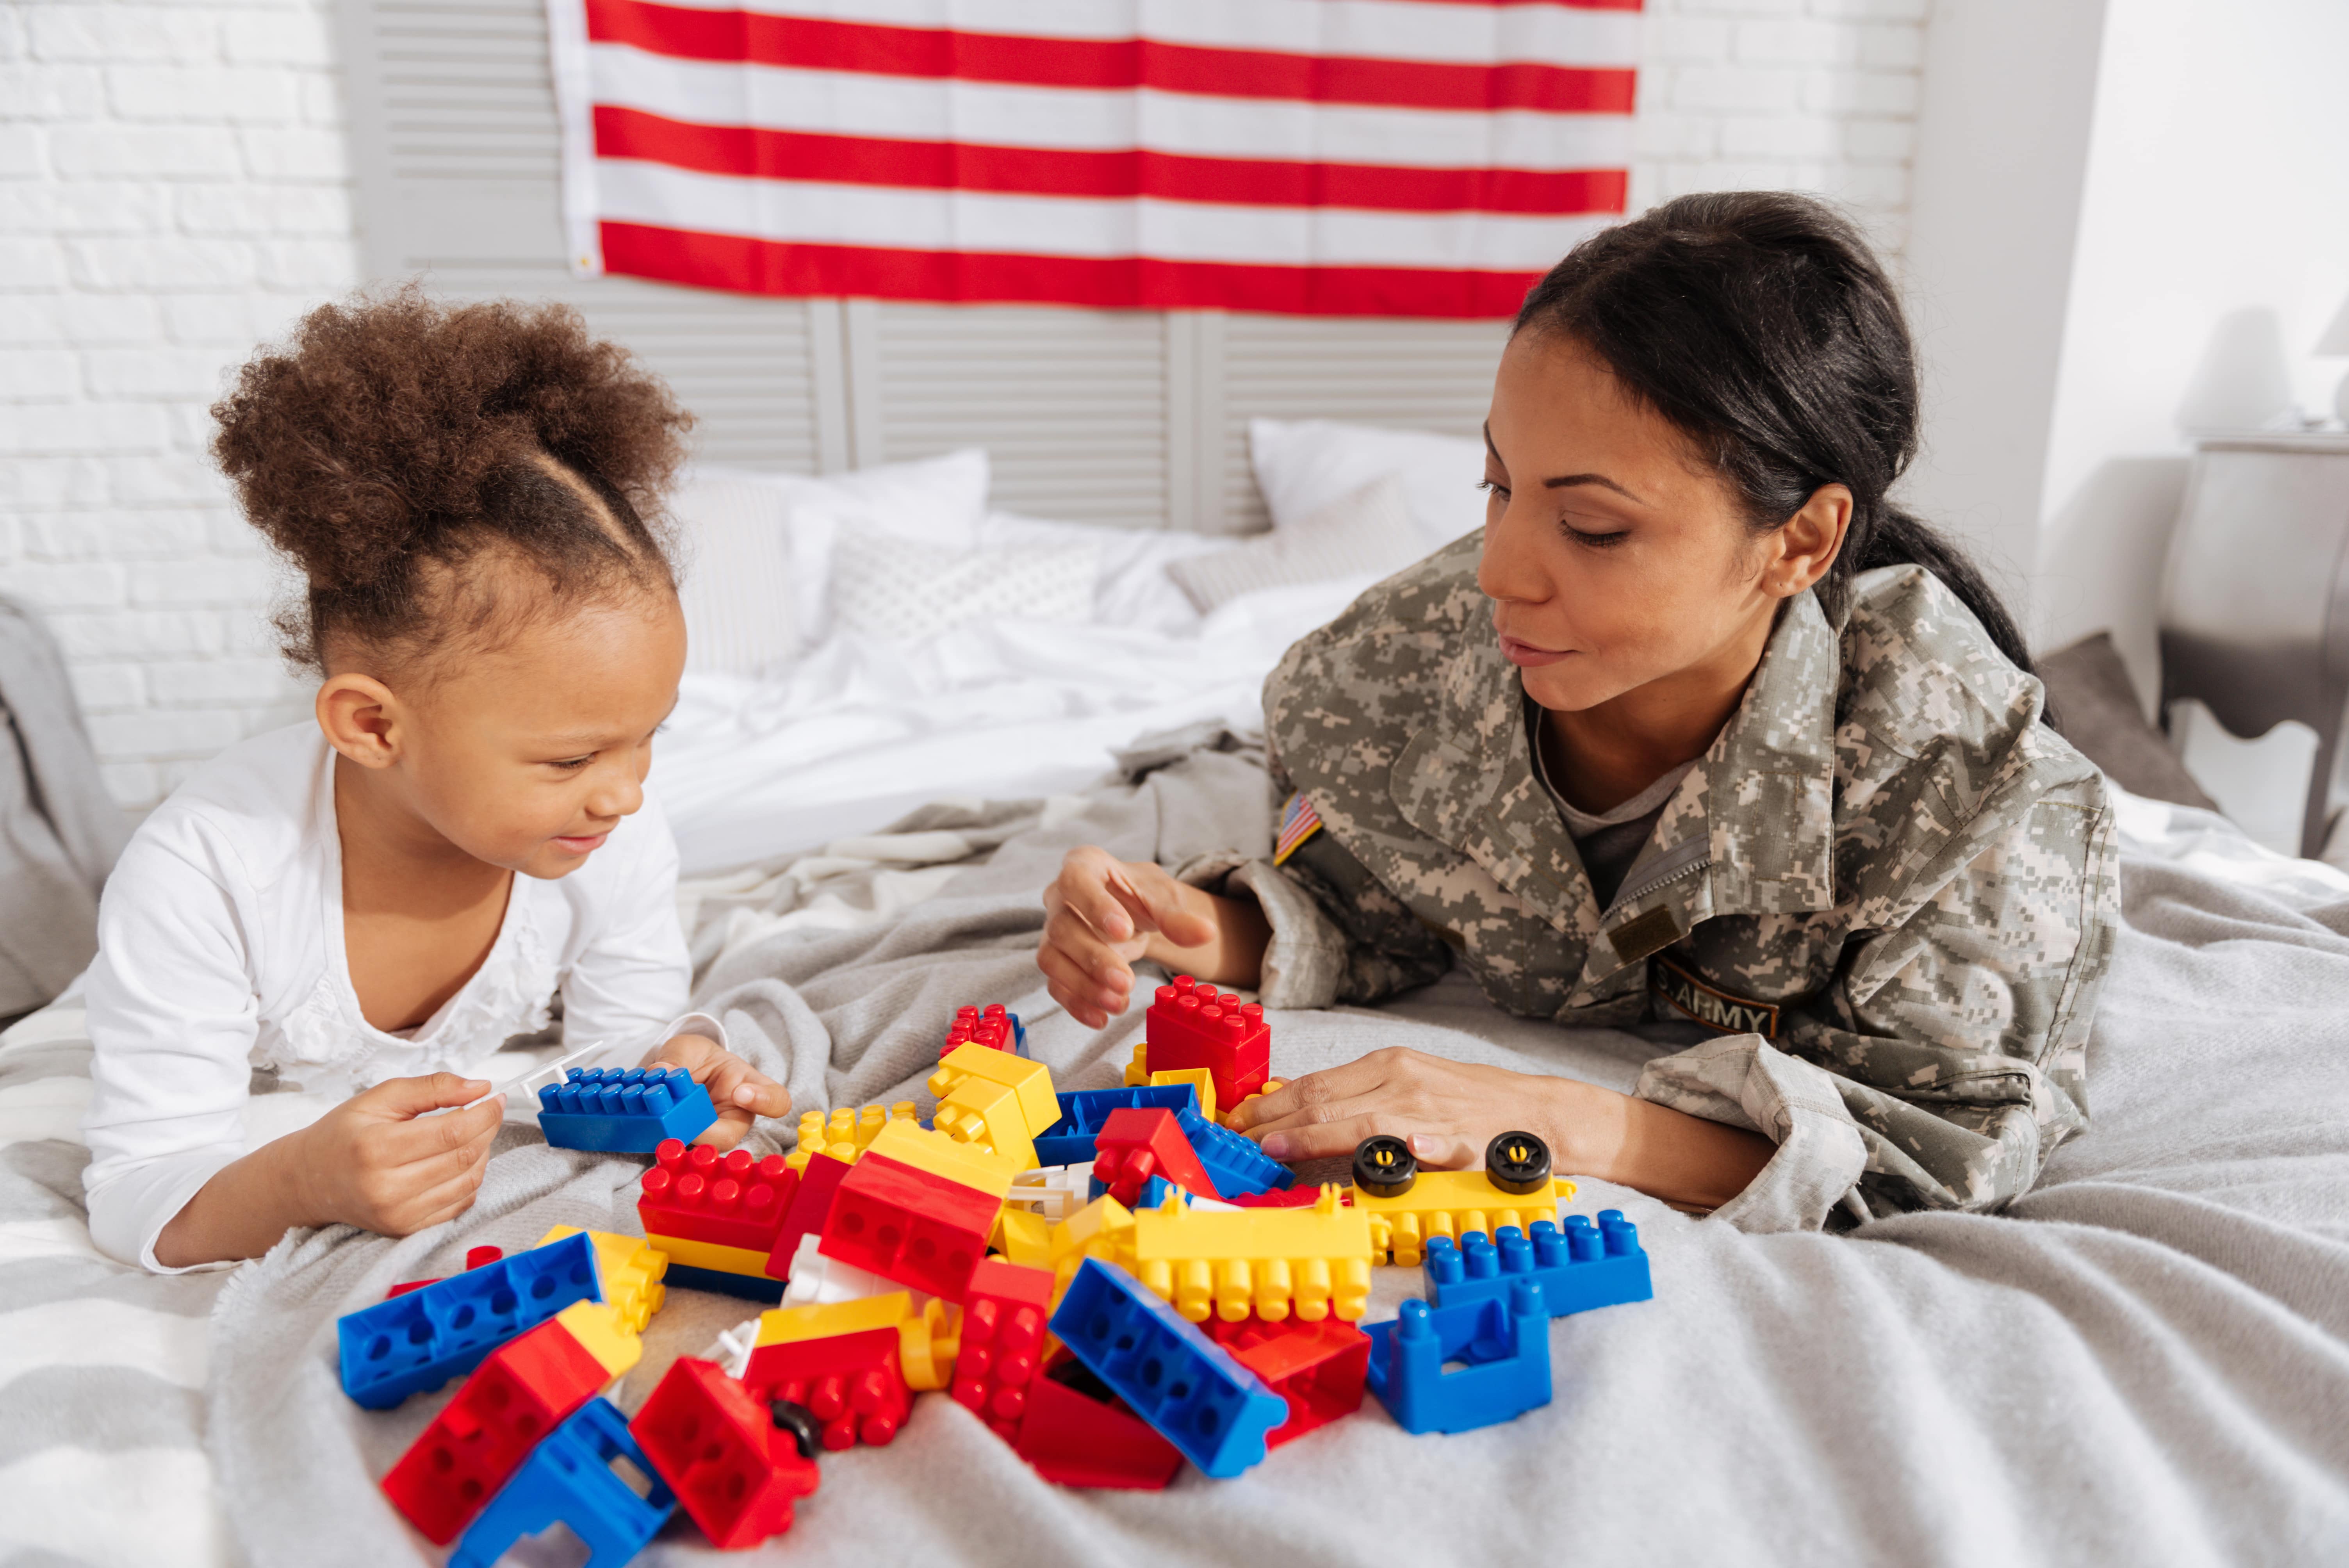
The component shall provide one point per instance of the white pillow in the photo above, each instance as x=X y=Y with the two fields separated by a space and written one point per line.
x=1368 y=532
x=1303 y=465
x=1133 y=589
x=734 y=576
x=884 y=586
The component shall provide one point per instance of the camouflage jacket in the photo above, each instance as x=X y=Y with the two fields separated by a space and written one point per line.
x=1887 y=884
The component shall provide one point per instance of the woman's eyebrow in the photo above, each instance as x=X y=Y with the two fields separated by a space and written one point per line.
x=1565 y=482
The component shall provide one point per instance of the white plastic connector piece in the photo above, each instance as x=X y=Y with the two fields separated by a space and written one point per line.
x=733 y=1349
x=1055 y=1192
x=817 y=1280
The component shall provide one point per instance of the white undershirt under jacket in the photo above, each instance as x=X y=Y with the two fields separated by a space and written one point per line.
x=221 y=951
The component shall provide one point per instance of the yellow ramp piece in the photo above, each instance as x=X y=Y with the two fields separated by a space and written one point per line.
x=1024 y=1238
x=910 y=1143
x=1029 y=1082
x=1199 y=1079
x=789 y=1324
x=590 y=1322
x=1451 y=1203
x=629 y=1269
x=1315 y=1263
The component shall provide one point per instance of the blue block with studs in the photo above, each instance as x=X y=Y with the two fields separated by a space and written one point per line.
x=1501 y=1346
x=421 y=1338
x=1232 y=1161
x=1578 y=1267
x=623 y=1111
x=1069 y=1141
x=588 y=1474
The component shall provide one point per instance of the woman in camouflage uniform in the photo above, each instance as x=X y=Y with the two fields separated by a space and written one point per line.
x=1700 y=733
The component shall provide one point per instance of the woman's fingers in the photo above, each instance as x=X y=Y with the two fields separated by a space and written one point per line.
x=1323 y=1139
x=1313 y=1098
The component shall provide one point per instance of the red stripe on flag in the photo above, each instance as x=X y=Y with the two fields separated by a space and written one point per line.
x=743 y=266
x=809 y=44
x=756 y=153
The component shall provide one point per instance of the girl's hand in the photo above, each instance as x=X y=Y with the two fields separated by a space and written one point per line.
x=739 y=1091
x=377 y=1161
x=1099 y=915
x=1449 y=1111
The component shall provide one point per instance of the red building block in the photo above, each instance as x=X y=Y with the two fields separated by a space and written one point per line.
x=474 y=1258
x=907 y=1225
x=721 y=1453
x=1298 y=1197
x=1134 y=1145
x=850 y=1382
x=1190 y=1026
x=1318 y=1368
x=1077 y=1433
x=809 y=1209
x=527 y=1387
x=728 y=1199
x=991 y=1028
x=1004 y=1312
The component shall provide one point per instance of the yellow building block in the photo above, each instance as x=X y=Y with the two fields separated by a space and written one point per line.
x=988 y=1118
x=590 y=1322
x=926 y=1347
x=822 y=1320
x=1271 y=1086
x=694 y=1254
x=630 y=1268
x=1030 y=1081
x=1101 y=1229
x=1137 y=1068
x=1314 y=1263
x=1199 y=1079
x=845 y=1133
x=1023 y=1237
x=910 y=1143
x=1451 y=1203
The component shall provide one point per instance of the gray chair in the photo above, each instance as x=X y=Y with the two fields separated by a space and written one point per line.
x=2255 y=602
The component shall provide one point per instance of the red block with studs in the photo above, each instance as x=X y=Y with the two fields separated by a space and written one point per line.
x=906 y=1224
x=809 y=1209
x=474 y=1258
x=1318 y=1368
x=718 y=1449
x=1134 y=1145
x=850 y=1382
x=991 y=1028
x=1192 y=1025
x=1004 y=1313
x=527 y=1387
x=1298 y=1197
x=1077 y=1433
x=730 y=1200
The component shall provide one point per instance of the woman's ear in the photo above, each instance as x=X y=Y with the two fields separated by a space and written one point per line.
x=1809 y=541
x=362 y=718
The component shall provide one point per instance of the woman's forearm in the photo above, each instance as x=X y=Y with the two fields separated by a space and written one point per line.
x=1668 y=1154
x=1234 y=956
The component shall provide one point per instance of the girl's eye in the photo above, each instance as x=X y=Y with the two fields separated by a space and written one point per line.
x=1594 y=540
x=572 y=764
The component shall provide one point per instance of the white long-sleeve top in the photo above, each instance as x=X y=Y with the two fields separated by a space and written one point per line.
x=221 y=950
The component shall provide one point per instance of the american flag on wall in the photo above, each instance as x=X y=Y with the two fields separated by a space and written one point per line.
x=1313 y=156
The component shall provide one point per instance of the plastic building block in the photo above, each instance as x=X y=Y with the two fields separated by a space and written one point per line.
x=1318 y=1368
x=1266 y=1263
x=1069 y=1141
x=927 y=1346
x=1154 y=1192
x=1053 y=1192
x=986 y=1117
x=817 y=1280
x=474 y=1258
x=576 y=1478
x=810 y=1210
x=1232 y=1161
x=1135 y=1145
x=851 y=1379
x=911 y=1143
x=1023 y=1237
x=1031 y=1083
x=1077 y=1433
x=1579 y=1267
x=909 y=1225
x=1201 y=1081
x=629 y=1269
x=1288 y=1197
x=1505 y=1348
x=1101 y=1229
x=525 y=1389
x=422 y=1339
x=1175 y=1377
x=721 y=1281
x=593 y=1325
x=709 y=1257
x=845 y=1133
x=623 y=1112
x=718 y=1449
x=734 y=1199
x=1191 y=1025
x=995 y=1028
x=1451 y=1203
x=832 y=1319
x=1002 y=1339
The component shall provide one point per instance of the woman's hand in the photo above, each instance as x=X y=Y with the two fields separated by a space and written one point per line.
x=1101 y=914
x=1449 y=1111
x=379 y=1161
x=739 y=1091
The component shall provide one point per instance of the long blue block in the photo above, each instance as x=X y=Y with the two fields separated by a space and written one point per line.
x=1199 y=1397
x=1578 y=1268
x=618 y=1111
x=1232 y=1161
x=1505 y=1346
x=1069 y=1141
x=571 y=1479
x=424 y=1338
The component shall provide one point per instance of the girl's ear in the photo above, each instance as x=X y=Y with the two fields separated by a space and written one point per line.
x=362 y=719
x=1809 y=541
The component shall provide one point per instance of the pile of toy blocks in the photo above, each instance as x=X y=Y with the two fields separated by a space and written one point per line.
x=1111 y=1281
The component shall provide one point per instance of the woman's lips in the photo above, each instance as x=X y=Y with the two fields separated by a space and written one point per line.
x=1520 y=652
x=581 y=846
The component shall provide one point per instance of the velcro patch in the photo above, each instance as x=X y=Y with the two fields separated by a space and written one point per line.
x=1708 y=1004
x=1641 y=934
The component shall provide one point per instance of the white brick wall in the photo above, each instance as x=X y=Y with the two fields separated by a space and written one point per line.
x=174 y=186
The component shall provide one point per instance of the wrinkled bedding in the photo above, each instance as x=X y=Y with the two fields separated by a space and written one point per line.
x=2147 y=1360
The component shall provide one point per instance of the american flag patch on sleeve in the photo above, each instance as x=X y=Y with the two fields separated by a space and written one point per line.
x=1299 y=822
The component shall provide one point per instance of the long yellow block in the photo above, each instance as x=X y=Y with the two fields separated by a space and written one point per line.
x=1313 y=1261
x=1451 y=1203
x=694 y=1254
x=823 y=1320
x=845 y=1133
x=910 y=1143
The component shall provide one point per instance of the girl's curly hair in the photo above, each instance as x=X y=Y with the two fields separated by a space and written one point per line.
x=393 y=440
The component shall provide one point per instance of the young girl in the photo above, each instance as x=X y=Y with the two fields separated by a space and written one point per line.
x=372 y=905
x=1701 y=727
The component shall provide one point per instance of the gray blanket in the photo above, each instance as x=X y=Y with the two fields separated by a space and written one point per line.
x=2146 y=1361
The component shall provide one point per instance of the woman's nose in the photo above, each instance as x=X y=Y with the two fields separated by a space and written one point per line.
x=1510 y=568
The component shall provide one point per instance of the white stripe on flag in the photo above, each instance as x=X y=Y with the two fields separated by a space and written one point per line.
x=964 y=221
x=844 y=103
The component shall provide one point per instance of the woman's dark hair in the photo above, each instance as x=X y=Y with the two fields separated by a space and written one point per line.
x=393 y=440
x=1761 y=325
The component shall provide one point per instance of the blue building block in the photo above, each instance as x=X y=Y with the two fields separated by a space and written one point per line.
x=424 y=1338
x=1069 y=1141
x=1578 y=1268
x=1505 y=1346
x=623 y=1112
x=1199 y=1397
x=572 y=1478
x=1232 y=1161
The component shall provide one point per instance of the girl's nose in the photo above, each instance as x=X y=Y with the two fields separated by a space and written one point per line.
x=620 y=795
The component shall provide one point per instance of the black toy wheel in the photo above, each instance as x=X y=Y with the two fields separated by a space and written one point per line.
x=1517 y=1163
x=807 y=1433
x=1383 y=1166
